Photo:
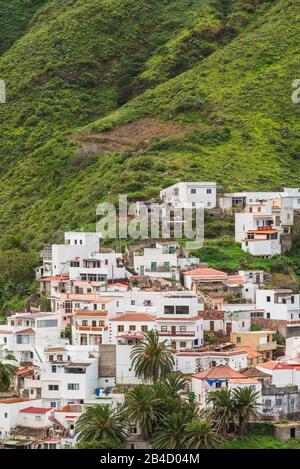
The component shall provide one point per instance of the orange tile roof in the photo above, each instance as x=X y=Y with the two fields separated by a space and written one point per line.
x=14 y=400
x=269 y=365
x=265 y=231
x=219 y=372
x=26 y=331
x=90 y=313
x=87 y=297
x=135 y=317
x=205 y=272
x=251 y=352
x=235 y=279
x=36 y=410
x=243 y=380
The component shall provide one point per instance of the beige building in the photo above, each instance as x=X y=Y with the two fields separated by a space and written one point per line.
x=261 y=341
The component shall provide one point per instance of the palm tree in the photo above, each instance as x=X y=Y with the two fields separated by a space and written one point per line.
x=144 y=407
x=246 y=405
x=170 y=433
x=101 y=422
x=152 y=359
x=200 y=434
x=223 y=409
x=173 y=383
x=7 y=370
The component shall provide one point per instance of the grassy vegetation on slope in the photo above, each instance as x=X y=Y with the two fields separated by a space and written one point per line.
x=81 y=60
x=15 y=16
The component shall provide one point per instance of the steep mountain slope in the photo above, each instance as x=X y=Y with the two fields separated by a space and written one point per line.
x=62 y=144
x=15 y=18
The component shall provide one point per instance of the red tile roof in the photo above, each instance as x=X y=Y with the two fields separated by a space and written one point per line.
x=243 y=380
x=14 y=400
x=36 y=410
x=205 y=272
x=268 y=365
x=27 y=369
x=219 y=372
x=26 y=331
x=135 y=317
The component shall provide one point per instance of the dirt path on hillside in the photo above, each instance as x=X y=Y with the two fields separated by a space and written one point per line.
x=136 y=135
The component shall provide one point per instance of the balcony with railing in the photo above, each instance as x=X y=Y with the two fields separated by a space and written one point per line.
x=177 y=333
x=272 y=345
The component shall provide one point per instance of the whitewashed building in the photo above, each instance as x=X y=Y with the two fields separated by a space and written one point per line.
x=190 y=195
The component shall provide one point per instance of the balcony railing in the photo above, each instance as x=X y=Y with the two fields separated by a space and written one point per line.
x=295 y=322
x=176 y=334
x=268 y=346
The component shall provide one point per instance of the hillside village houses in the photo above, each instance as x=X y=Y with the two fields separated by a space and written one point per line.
x=100 y=304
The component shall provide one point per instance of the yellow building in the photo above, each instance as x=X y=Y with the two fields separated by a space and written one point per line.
x=261 y=341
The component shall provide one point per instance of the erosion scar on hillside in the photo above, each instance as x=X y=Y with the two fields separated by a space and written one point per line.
x=136 y=135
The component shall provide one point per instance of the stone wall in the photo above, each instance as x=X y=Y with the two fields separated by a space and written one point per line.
x=107 y=361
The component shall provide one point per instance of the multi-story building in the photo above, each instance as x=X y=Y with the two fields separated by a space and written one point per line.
x=190 y=195
x=261 y=341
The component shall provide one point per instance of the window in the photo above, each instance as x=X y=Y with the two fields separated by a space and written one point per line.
x=208 y=204
x=38 y=418
x=120 y=328
x=132 y=302
x=268 y=315
x=169 y=309
x=5 y=415
x=238 y=340
x=74 y=264
x=84 y=322
x=144 y=328
x=133 y=429
x=95 y=307
x=47 y=323
x=268 y=299
x=278 y=402
x=182 y=328
x=182 y=344
x=208 y=191
x=268 y=403
x=53 y=368
x=182 y=310
x=164 y=328
x=218 y=385
x=53 y=387
x=193 y=191
x=73 y=387
x=132 y=327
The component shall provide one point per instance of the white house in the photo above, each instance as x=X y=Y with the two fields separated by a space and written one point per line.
x=190 y=195
x=9 y=413
x=69 y=376
x=219 y=377
x=189 y=362
x=281 y=305
x=27 y=334
x=241 y=199
x=263 y=241
x=160 y=261
x=57 y=257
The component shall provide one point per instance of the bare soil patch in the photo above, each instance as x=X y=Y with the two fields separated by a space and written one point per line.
x=136 y=135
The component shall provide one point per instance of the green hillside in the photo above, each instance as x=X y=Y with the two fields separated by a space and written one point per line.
x=203 y=89
x=15 y=18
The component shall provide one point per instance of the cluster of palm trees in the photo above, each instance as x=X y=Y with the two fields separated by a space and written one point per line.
x=165 y=419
